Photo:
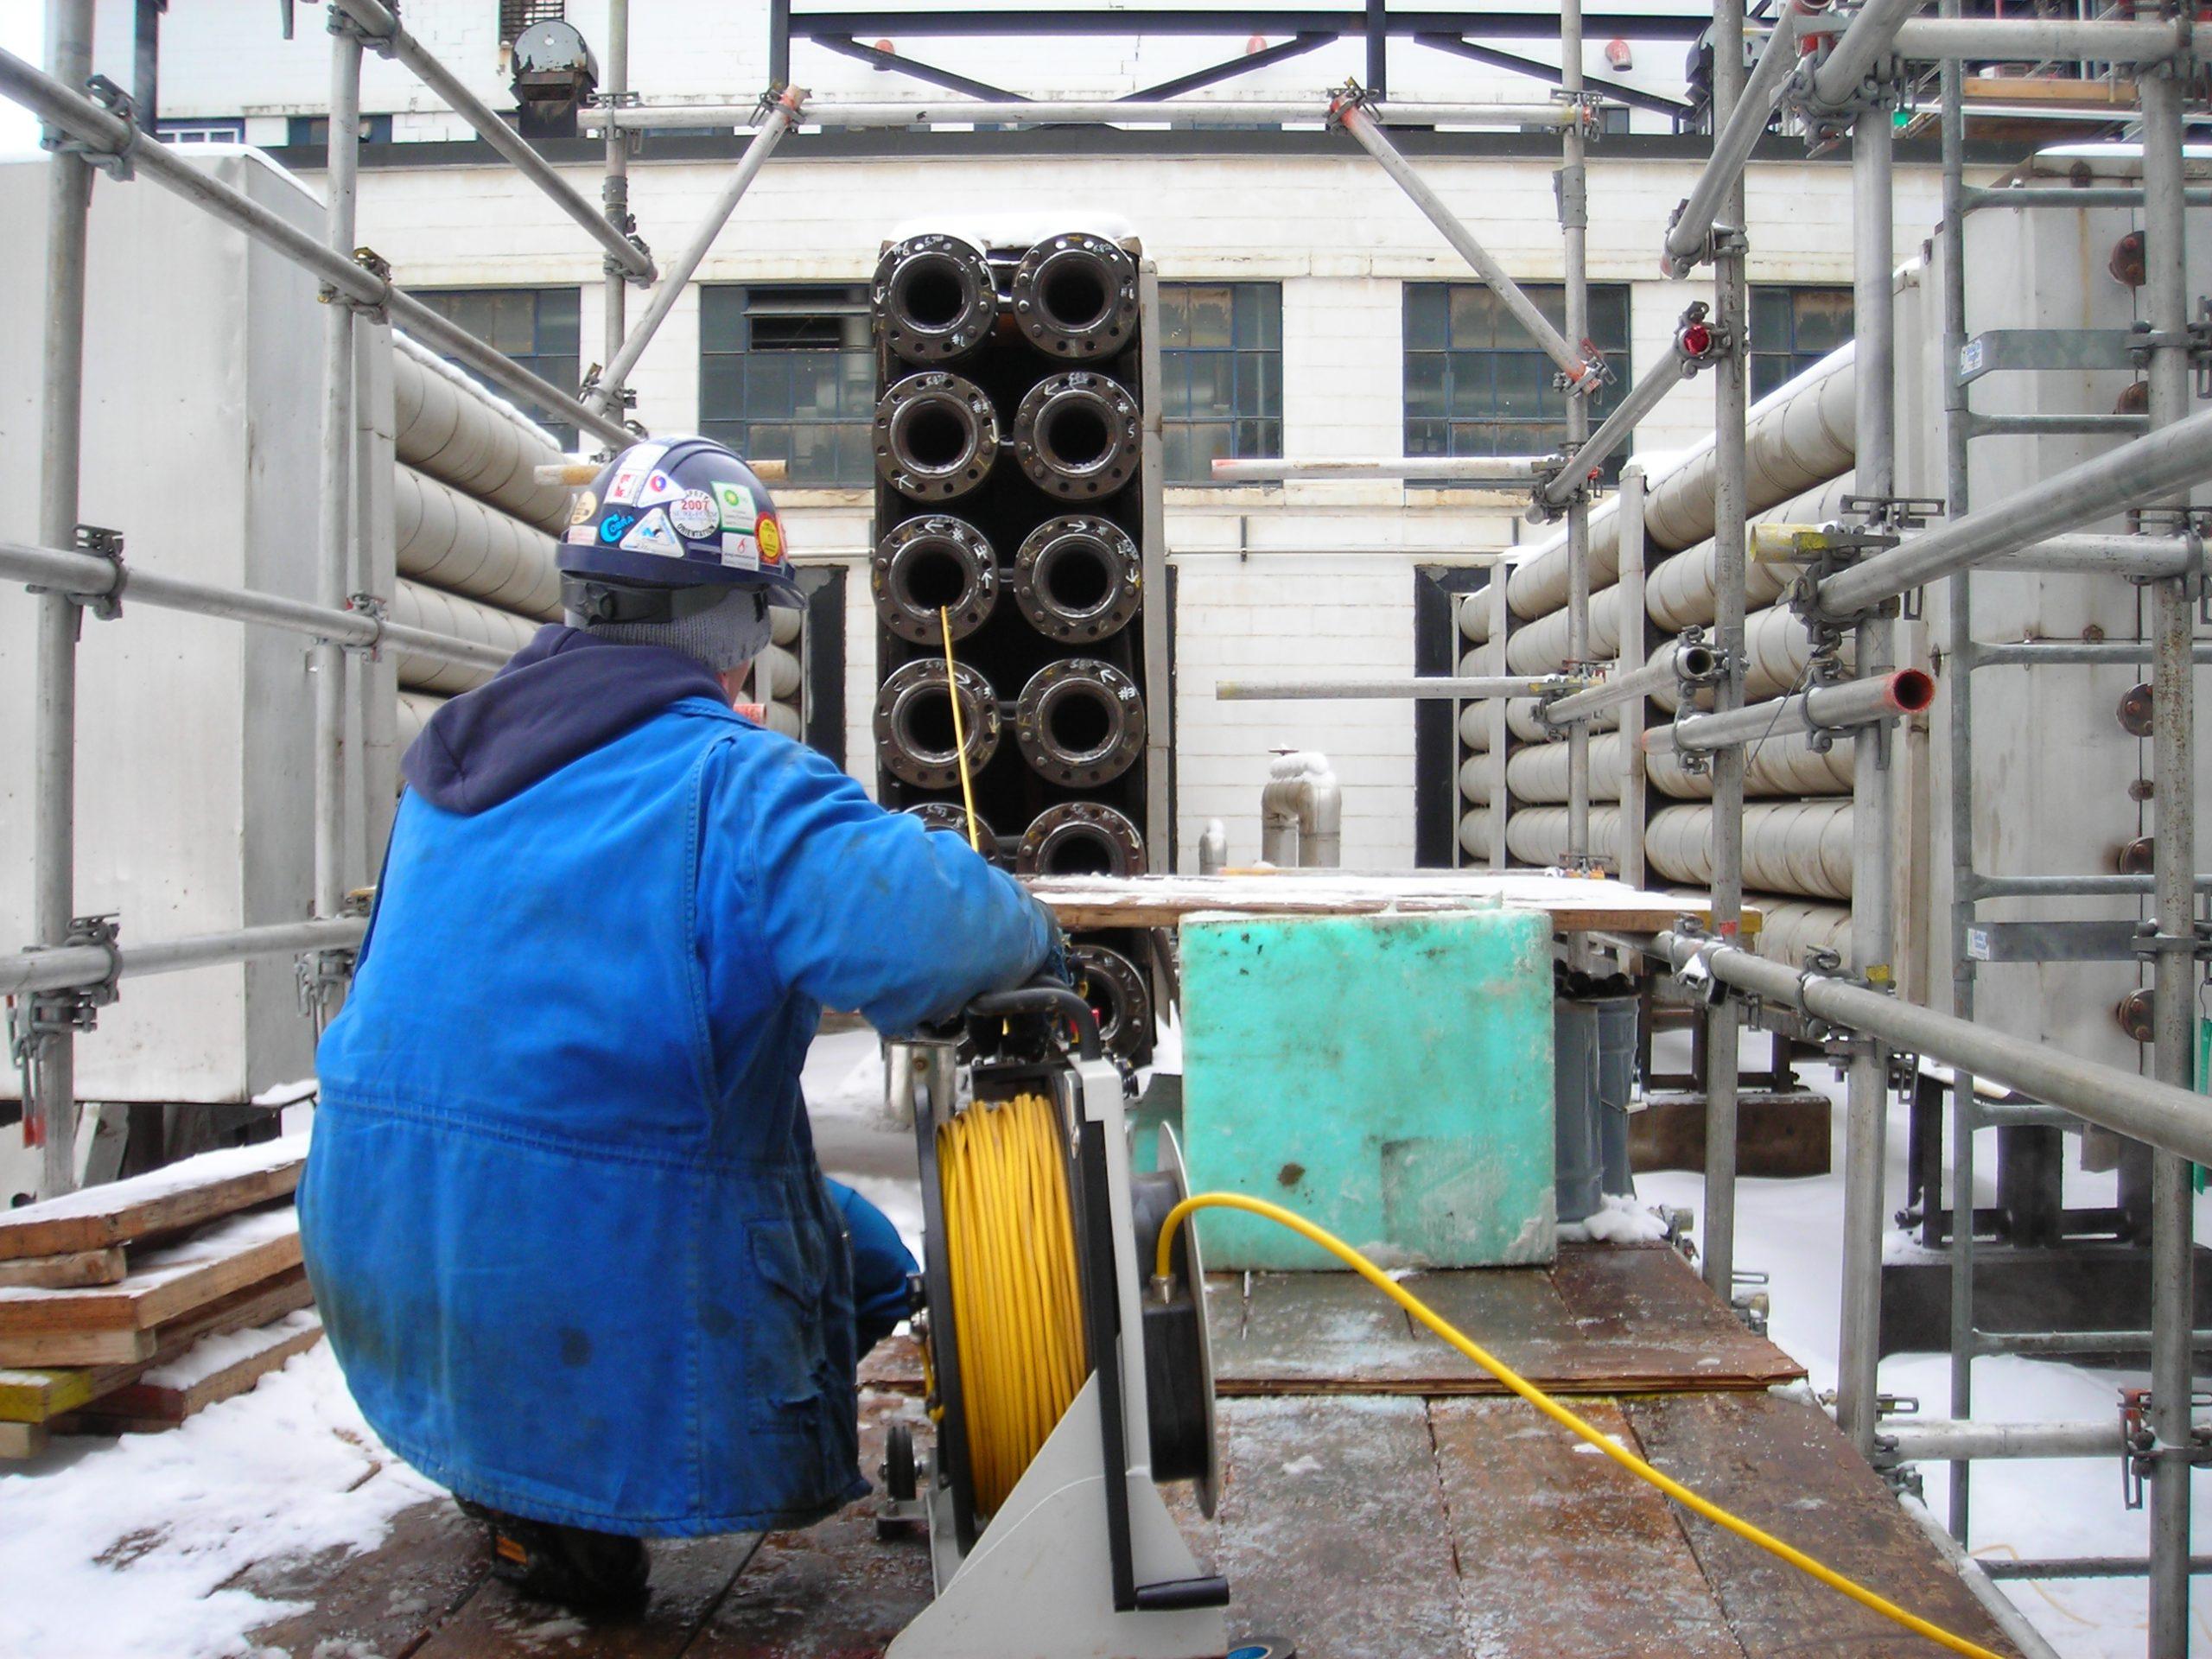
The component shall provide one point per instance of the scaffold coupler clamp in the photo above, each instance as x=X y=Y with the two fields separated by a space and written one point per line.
x=1574 y=678
x=2141 y=1451
x=624 y=398
x=374 y=310
x=1818 y=963
x=1348 y=96
x=1699 y=665
x=101 y=544
x=341 y=22
x=36 y=1018
x=1696 y=975
x=379 y=612
x=116 y=162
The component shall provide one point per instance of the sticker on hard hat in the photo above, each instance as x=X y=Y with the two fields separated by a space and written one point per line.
x=586 y=504
x=612 y=528
x=659 y=487
x=737 y=506
x=740 y=551
x=583 y=534
x=636 y=467
x=695 y=514
x=771 y=537
x=653 y=535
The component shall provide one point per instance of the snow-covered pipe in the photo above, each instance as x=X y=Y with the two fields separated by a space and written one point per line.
x=446 y=425
x=1302 y=814
x=417 y=606
x=452 y=540
x=1801 y=848
x=1537 y=835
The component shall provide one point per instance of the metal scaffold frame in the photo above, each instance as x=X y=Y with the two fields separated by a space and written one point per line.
x=1838 y=74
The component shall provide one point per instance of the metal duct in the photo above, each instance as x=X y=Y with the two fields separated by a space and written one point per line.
x=1787 y=764
x=934 y=572
x=415 y=708
x=451 y=428
x=1079 y=722
x=417 y=606
x=1790 y=928
x=1537 y=835
x=775 y=673
x=1794 y=846
x=1077 y=435
x=1474 y=834
x=1474 y=726
x=1080 y=838
x=453 y=540
x=1476 y=776
x=1678 y=593
x=1799 y=434
x=1540 y=647
x=914 y=738
x=785 y=626
x=1076 y=296
x=1537 y=774
x=783 y=720
x=936 y=435
x=1777 y=652
x=935 y=298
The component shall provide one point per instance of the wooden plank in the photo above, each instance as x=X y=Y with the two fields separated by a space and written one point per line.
x=1543 y=1527
x=1647 y=1301
x=65 y=1272
x=382 y=1601
x=833 y=1591
x=21 y=1441
x=1333 y=1530
x=36 y=1396
x=690 y=1576
x=49 y=1348
x=1783 y=1466
x=1575 y=903
x=171 y=1392
x=166 y=1284
x=186 y=1194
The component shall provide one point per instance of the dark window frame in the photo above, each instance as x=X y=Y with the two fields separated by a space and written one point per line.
x=1250 y=355
x=1521 y=411
x=763 y=397
x=201 y=129
x=312 y=131
x=1770 y=365
x=562 y=367
x=516 y=15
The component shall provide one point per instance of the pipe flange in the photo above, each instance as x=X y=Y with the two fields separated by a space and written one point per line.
x=1080 y=721
x=1078 y=579
x=951 y=817
x=936 y=436
x=1076 y=296
x=913 y=724
x=1110 y=982
x=1080 y=838
x=1077 y=435
x=934 y=299
x=928 y=562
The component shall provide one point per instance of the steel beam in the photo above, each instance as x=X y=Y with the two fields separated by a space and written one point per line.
x=831 y=115
x=377 y=22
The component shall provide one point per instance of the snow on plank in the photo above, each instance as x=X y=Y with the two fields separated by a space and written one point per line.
x=36 y=1396
x=71 y=1270
x=185 y=1194
x=214 y=1368
x=170 y=1283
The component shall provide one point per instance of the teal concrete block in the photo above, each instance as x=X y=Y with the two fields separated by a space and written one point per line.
x=1387 y=1077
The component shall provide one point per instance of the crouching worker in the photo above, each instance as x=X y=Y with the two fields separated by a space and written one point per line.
x=561 y=1213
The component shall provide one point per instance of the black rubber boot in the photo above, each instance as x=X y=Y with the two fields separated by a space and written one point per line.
x=589 y=1570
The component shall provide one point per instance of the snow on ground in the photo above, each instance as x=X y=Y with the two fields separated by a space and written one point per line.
x=122 y=1548
x=1793 y=1230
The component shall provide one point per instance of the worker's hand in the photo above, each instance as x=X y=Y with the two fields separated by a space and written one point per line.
x=1055 y=965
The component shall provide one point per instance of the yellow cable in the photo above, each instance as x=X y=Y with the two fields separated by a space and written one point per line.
x=1017 y=1315
x=959 y=737
x=1551 y=1408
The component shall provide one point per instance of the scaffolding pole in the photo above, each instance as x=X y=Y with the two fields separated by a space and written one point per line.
x=2173 y=721
x=1574 y=230
x=50 y=1069
x=377 y=23
x=1873 y=800
x=1469 y=687
x=83 y=965
x=1629 y=516
x=614 y=189
x=1731 y=309
x=1198 y=113
x=1736 y=131
x=1501 y=470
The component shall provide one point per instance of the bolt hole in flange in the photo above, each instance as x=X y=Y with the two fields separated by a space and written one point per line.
x=1076 y=296
x=1080 y=721
x=1078 y=579
x=934 y=299
x=1080 y=838
x=1077 y=435
x=1110 y=982
x=936 y=436
x=930 y=564
x=913 y=724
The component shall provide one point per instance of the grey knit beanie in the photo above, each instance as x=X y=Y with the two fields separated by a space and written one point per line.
x=725 y=636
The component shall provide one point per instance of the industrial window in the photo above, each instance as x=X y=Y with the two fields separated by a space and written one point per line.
x=1793 y=328
x=536 y=327
x=1221 y=374
x=316 y=130
x=214 y=129
x=516 y=15
x=789 y=374
x=1476 y=383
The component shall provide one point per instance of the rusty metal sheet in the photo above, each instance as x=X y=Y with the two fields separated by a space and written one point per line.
x=1783 y=1466
x=1545 y=1531
x=834 y=1591
x=1647 y=1299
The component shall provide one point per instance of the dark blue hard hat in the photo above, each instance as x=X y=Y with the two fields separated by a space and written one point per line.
x=679 y=513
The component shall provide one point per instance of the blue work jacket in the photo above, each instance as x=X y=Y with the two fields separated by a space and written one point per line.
x=561 y=1211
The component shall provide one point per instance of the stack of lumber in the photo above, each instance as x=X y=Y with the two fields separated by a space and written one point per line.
x=133 y=1306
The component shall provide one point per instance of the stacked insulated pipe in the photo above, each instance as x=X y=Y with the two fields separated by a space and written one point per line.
x=1008 y=448
x=474 y=534
x=1798 y=826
